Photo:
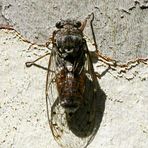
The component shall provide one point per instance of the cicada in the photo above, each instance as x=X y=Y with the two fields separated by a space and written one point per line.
x=72 y=89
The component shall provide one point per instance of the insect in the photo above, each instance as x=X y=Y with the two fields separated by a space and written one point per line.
x=71 y=86
x=75 y=102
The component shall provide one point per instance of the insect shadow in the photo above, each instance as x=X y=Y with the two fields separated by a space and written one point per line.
x=84 y=127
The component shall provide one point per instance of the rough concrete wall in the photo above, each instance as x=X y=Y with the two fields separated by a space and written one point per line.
x=121 y=28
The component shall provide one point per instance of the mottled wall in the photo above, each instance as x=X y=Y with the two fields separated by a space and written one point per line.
x=121 y=29
x=120 y=26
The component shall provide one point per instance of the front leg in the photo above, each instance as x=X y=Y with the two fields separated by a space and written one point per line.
x=32 y=63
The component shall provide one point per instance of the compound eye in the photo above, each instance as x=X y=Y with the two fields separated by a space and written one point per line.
x=77 y=24
x=59 y=25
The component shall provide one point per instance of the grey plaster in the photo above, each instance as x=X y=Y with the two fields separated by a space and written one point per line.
x=121 y=29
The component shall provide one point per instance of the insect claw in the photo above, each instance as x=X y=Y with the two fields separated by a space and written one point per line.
x=28 y=64
x=98 y=75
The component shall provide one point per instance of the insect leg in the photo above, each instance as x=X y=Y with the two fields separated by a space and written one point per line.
x=85 y=22
x=108 y=59
x=40 y=45
x=29 y=64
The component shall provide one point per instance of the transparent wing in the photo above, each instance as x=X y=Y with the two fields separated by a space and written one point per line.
x=51 y=91
x=78 y=129
x=55 y=113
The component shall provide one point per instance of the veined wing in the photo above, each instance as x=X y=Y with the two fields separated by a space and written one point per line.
x=78 y=129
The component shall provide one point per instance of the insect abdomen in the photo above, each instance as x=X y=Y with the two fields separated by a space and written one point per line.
x=70 y=89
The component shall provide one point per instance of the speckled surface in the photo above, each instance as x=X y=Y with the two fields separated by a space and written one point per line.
x=120 y=26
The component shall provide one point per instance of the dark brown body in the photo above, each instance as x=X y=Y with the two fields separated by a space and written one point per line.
x=69 y=48
x=71 y=89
